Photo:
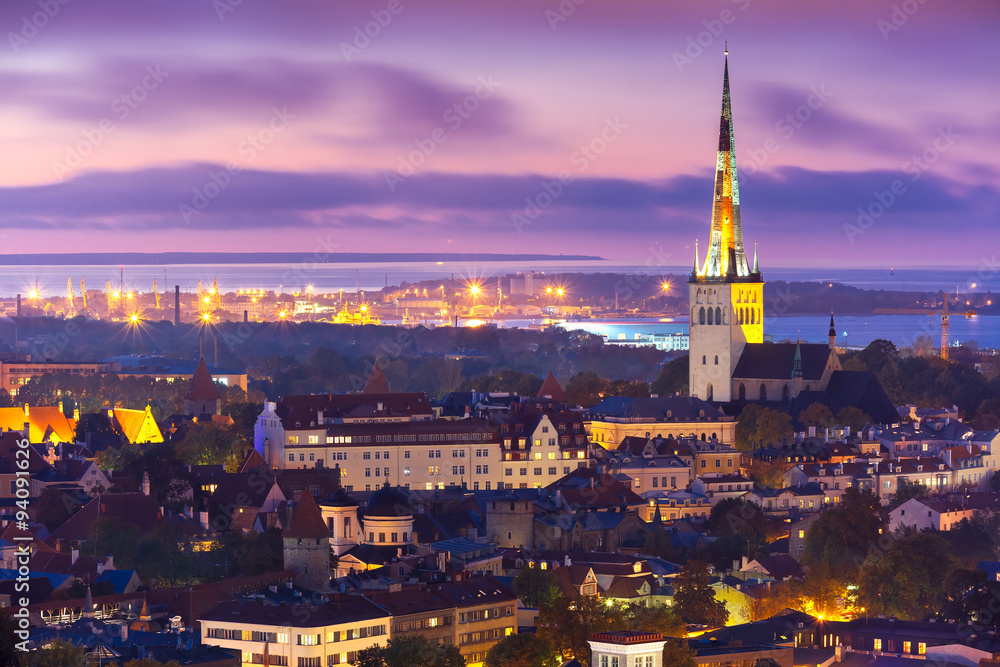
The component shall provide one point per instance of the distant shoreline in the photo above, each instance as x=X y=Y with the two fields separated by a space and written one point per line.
x=308 y=258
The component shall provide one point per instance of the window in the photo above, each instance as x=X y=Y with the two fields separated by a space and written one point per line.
x=291 y=457
x=313 y=439
x=293 y=440
x=718 y=463
x=538 y=471
x=552 y=470
x=302 y=457
x=406 y=453
x=406 y=471
x=922 y=648
x=312 y=456
x=366 y=456
x=385 y=455
x=878 y=645
x=368 y=472
x=524 y=472
x=308 y=640
x=377 y=455
x=381 y=537
x=508 y=472
x=907 y=647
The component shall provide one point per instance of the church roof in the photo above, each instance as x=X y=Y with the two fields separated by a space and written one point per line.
x=202 y=385
x=777 y=360
x=551 y=389
x=862 y=390
x=377 y=384
x=307 y=520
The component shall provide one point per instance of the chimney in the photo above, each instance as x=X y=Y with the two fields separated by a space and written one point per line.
x=567 y=561
x=18 y=311
x=144 y=485
x=60 y=406
x=177 y=305
x=744 y=562
x=73 y=555
x=76 y=413
x=838 y=653
x=203 y=519
x=812 y=431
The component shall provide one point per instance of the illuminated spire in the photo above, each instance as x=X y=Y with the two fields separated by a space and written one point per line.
x=727 y=231
x=696 y=257
x=756 y=269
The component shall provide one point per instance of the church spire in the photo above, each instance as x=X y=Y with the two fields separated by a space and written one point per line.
x=726 y=255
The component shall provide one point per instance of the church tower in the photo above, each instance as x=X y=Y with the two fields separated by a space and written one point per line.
x=726 y=294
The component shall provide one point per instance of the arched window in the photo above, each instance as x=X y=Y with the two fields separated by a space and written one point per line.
x=701 y=315
x=703 y=360
x=763 y=392
x=741 y=315
x=711 y=316
x=743 y=392
x=716 y=360
x=784 y=393
x=703 y=438
x=718 y=315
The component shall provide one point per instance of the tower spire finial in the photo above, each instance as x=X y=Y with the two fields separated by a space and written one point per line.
x=727 y=48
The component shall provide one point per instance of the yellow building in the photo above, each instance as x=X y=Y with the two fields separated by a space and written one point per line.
x=45 y=423
x=138 y=427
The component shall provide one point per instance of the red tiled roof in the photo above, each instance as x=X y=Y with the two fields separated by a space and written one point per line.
x=202 y=385
x=550 y=388
x=307 y=520
x=377 y=384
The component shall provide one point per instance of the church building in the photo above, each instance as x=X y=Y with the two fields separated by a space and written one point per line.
x=729 y=361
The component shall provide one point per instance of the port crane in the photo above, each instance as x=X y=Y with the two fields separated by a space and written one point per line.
x=931 y=312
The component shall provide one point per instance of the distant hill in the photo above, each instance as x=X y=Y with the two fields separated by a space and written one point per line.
x=154 y=258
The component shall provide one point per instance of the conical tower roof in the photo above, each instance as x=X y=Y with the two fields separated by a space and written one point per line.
x=377 y=383
x=202 y=385
x=550 y=389
x=307 y=520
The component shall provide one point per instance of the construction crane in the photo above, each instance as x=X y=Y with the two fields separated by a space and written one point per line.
x=931 y=312
x=156 y=294
x=69 y=292
x=83 y=293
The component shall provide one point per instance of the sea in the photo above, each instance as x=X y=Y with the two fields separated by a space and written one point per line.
x=373 y=276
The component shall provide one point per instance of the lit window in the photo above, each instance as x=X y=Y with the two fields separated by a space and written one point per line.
x=878 y=644
x=922 y=648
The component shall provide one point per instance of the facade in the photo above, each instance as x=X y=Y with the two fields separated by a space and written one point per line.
x=470 y=612
x=541 y=444
x=626 y=648
x=377 y=439
x=615 y=418
x=318 y=636
x=14 y=374
x=306 y=546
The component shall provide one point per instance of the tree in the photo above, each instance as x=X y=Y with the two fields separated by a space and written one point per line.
x=767 y=474
x=208 y=443
x=773 y=426
x=758 y=426
x=816 y=414
x=905 y=491
x=842 y=536
x=569 y=623
x=694 y=597
x=853 y=417
x=766 y=602
x=673 y=377
x=966 y=595
x=584 y=389
x=677 y=653
x=54 y=507
x=536 y=587
x=58 y=653
x=260 y=552
x=9 y=655
x=527 y=650
x=907 y=580
x=746 y=427
x=411 y=651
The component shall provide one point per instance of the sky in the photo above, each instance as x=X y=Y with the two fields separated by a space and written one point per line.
x=866 y=130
